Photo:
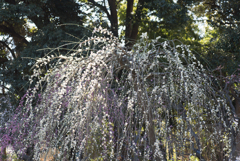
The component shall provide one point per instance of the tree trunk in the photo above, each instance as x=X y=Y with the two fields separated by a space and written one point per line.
x=132 y=22
x=113 y=17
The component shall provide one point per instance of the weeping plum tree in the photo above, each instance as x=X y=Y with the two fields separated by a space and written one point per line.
x=102 y=101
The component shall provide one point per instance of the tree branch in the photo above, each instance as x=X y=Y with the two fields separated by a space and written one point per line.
x=197 y=151
x=103 y=8
x=11 y=1
x=13 y=33
x=12 y=52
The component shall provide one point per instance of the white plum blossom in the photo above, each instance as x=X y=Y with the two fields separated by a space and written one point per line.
x=108 y=103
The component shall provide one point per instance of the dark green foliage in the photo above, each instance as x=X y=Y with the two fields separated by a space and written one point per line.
x=223 y=48
x=171 y=14
x=29 y=25
x=225 y=51
x=223 y=13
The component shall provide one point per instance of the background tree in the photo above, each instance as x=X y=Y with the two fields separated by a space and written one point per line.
x=132 y=15
x=223 y=17
x=26 y=27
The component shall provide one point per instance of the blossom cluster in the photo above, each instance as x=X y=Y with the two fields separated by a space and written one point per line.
x=104 y=101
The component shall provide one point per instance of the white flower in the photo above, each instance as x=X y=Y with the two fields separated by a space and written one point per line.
x=144 y=35
x=62 y=57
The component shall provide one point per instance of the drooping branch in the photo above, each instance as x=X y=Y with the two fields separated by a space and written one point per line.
x=197 y=151
x=235 y=94
x=132 y=117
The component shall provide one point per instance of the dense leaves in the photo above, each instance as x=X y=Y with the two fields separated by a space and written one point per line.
x=222 y=49
x=26 y=27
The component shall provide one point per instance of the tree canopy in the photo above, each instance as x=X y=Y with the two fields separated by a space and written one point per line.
x=176 y=90
x=224 y=18
x=84 y=110
x=26 y=27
